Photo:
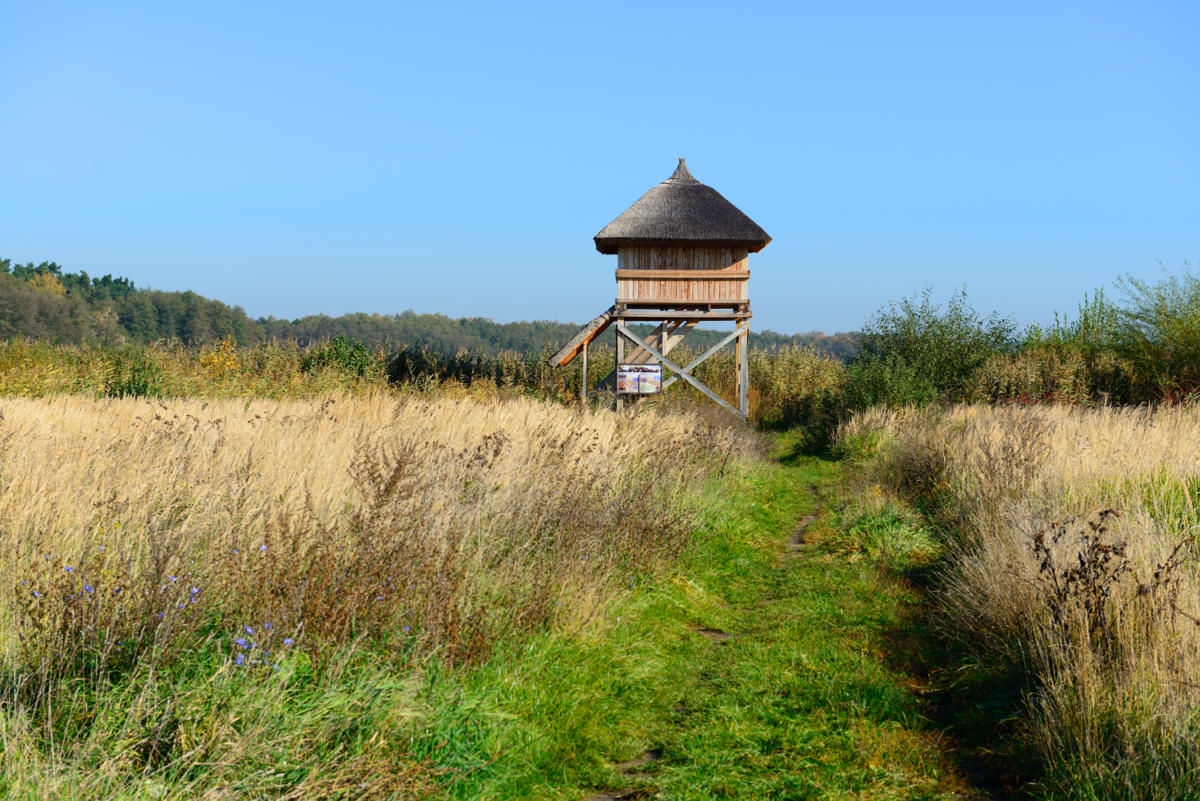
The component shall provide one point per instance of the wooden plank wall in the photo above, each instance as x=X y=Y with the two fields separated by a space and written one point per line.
x=675 y=286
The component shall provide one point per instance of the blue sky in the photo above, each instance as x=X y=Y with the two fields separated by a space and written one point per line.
x=299 y=158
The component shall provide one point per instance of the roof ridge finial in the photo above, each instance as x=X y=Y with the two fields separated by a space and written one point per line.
x=681 y=174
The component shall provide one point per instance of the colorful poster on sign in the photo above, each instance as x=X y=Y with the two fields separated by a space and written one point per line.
x=639 y=379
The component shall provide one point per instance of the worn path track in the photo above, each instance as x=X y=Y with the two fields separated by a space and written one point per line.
x=794 y=694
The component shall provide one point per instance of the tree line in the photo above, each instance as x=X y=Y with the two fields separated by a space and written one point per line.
x=42 y=302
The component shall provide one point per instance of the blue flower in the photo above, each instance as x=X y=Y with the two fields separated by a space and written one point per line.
x=69 y=569
x=288 y=641
x=195 y=590
x=88 y=589
x=103 y=548
x=247 y=629
x=267 y=626
x=173 y=578
x=262 y=548
x=240 y=659
x=235 y=550
x=37 y=594
x=241 y=642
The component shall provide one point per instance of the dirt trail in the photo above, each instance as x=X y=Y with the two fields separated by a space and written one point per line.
x=799 y=535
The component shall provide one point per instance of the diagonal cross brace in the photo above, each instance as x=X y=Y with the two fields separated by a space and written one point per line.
x=699 y=359
x=679 y=371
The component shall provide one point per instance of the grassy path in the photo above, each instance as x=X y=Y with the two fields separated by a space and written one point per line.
x=760 y=671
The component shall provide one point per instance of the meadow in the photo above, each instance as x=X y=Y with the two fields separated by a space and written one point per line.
x=1070 y=539
x=153 y=548
x=336 y=572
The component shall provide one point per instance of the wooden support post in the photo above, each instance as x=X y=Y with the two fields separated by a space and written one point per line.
x=620 y=352
x=743 y=367
x=583 y=380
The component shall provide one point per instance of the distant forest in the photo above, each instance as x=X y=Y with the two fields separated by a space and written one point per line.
x=41 y=302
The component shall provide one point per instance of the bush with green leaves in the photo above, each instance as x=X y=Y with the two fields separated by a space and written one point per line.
x=349 y=356
x=914 y=352
x=1159 y=334
x=132 y=372
x=1096 y=328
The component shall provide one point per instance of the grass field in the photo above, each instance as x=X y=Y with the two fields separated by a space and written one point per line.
x=359 y=588
x=397 y=595
x=1071 y=564
x=162 y=559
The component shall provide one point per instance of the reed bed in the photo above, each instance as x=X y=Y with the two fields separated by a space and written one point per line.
x=1074 y=537
x=221 y=538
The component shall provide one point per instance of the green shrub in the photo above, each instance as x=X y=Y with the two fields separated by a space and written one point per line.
x=349 y=356
x=1095 y=329
x=1159 y=333
x=888 y=380
x=132 y=372
x=913 y=352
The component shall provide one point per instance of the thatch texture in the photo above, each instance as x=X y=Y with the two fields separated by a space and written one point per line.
x=681 y=210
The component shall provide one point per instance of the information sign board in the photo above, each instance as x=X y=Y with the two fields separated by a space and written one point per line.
x=639 y=379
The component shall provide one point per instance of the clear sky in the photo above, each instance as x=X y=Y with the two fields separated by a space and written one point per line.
x=297 y=158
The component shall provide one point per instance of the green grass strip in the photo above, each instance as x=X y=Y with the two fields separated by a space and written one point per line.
x=749 y=673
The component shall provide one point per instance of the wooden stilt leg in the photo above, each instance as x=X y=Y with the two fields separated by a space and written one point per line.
x=583 y=381
x=743 y=367
x=620 y=350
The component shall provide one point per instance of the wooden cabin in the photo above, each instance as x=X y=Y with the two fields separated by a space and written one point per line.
x=682 y=245
x=682 y=257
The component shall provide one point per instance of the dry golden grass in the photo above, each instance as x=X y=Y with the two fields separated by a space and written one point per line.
x=128 y=526
x=176 y=576
x=1075 y=553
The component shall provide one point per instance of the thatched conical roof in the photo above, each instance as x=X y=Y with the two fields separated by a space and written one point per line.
x=681 y=210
